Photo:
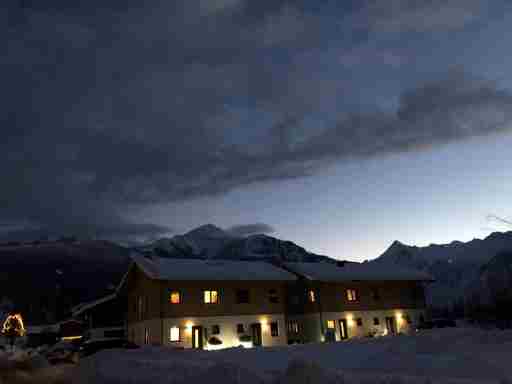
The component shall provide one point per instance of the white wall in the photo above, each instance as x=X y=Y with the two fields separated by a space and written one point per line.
x=228 y=329
x=311 y=328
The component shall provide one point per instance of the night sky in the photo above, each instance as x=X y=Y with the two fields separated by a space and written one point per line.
x=339 y=128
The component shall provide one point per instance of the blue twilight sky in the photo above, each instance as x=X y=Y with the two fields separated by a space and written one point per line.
x=341 y=128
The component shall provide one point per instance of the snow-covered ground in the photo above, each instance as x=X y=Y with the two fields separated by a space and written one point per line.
x=29 y=367
x=461 y=355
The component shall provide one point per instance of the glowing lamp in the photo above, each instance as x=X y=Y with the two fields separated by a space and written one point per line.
x=264 y=323
x=13 y=325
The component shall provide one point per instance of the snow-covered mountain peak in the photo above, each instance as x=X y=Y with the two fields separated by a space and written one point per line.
x=455 y=266
x=207 y=230
x=211 y=242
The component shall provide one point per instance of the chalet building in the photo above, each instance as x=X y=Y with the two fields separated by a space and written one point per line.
x=217 y=304
x=205 y=304
x=102 y=318
x=333 y=302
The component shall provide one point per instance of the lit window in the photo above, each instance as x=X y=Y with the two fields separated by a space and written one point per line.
x=331 y=324
x=274 y=329
x=174 y=334
x=311 y=296
x=146 y=336
x=352 y=295
x=175 y=297
x=211 y=297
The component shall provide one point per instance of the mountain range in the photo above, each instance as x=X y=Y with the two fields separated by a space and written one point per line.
x=211 y=242
x=44 y=279
x=461 y=269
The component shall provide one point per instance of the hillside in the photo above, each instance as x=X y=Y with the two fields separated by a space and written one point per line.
x=44 y=279
x=459 y=268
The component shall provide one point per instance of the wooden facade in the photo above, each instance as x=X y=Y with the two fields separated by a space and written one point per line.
x=271 y=312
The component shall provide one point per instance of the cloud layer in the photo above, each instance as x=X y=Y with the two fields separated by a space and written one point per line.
x=110 y=109
x=251 y=229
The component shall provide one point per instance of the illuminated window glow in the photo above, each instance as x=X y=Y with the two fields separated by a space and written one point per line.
x=175 y=297
x=174 y=334
x=352 y=295
x=330 y=324
x=311 y=296
x=211 y=297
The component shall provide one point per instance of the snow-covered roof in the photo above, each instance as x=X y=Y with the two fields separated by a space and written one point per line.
x=85 y=306
x=356 y=271
x=197 y=269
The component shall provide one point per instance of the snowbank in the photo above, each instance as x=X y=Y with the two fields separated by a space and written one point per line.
x=456 y=356
x=27 y=367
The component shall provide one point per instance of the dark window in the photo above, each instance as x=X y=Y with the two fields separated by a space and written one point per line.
x=215 y=329
x=418 y=293
x=376 y=321
x=375 y=294
x=240 y=328
x=408 y=319
x=242 y=296
x=273 y=297
x=274 y=329
x=293 y=326
x=294 y=300
x=359 y=322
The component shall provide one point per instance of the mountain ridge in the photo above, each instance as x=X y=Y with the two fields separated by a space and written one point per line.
x=456 y=266
x=211 y=242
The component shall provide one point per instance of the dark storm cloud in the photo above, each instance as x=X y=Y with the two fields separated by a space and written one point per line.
x=109 y=109
x=419 y=15
x=251 y=229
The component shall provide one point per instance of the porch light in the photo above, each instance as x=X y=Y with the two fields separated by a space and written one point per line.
x=264 y=324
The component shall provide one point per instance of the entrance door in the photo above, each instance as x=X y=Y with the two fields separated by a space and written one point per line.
x=197 y=337
x=343 y=329
x=390 y=325
x=256 y=334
